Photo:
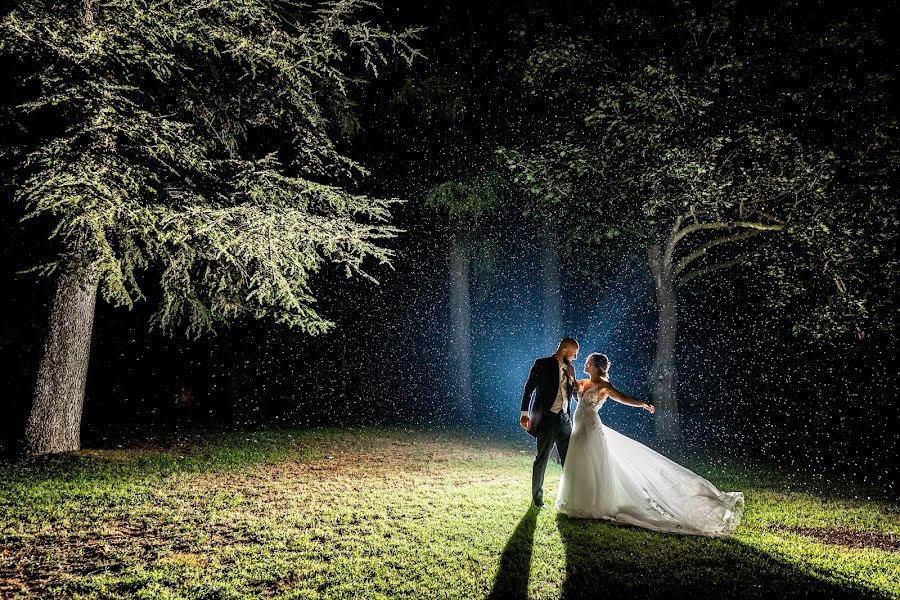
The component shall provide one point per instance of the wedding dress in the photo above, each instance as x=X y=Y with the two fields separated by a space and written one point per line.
x=610 y=476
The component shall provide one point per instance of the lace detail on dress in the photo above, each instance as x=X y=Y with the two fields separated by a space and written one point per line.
x=591 y=398
x=586 y=415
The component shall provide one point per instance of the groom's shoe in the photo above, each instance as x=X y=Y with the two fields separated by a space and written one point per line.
x=540 y=505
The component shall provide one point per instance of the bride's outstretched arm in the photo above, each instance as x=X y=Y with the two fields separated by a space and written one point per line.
x=628 y=400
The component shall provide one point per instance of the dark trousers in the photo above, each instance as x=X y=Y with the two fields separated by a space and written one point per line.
x=555 y=429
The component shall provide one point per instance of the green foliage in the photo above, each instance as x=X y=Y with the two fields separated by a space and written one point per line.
x=433 y=97
x=467 y=203
x=844 y=97
x=470 y=198
x=198 y=141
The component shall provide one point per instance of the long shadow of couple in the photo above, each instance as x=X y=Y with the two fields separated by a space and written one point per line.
x=609 y=561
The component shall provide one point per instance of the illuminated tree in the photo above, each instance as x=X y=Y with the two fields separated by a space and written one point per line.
x=193 y=142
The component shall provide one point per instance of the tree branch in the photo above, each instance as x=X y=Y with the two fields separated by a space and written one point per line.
x=670 y=243
x=719 y=266
x=727 y=225
x=703 y=248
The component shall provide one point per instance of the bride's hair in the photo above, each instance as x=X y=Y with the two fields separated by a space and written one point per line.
x=601 y=361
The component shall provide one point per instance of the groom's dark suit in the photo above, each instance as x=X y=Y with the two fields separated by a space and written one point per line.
x=541 y=391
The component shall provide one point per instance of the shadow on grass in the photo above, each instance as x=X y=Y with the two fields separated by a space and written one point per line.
x=610 y=561
x=515 y=562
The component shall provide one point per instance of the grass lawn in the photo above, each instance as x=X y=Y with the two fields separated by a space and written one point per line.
x=384 y=513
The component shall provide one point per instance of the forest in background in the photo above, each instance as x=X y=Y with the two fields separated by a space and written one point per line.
x=773 y=358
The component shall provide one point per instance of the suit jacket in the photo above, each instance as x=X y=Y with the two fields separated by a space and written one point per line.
x=541 y=390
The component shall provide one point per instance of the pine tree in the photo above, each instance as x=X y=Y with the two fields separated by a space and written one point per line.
x=196 y=142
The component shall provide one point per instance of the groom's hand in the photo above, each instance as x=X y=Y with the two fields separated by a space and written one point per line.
x=524 y=422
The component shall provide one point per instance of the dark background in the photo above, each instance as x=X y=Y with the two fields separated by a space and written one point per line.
x=747 y=385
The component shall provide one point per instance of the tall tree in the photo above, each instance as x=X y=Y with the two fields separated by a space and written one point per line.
x=466 y=203
x=679 y=131
x=196 y=143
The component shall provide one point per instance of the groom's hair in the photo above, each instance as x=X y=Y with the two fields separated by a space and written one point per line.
x=567 y=341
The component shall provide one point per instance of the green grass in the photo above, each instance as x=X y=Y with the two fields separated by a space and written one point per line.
x=384 y=513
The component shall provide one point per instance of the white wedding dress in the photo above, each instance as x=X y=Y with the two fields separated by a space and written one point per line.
x=610 y=476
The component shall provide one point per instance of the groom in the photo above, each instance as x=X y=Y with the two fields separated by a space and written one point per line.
x=546 y=416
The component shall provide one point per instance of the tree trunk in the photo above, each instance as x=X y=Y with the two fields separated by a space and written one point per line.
x=663 y=374
x=552 y=288
x=461 y=326
x=54 y=424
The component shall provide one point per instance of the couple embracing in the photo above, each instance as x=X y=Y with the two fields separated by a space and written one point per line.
x=607 y=475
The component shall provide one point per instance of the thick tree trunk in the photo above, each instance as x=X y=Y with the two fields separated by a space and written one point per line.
x=552 y=288
x=460 y=327
x=54 y=424
x=663 y=374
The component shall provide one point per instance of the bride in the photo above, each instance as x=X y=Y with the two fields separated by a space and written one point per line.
x=610 y=476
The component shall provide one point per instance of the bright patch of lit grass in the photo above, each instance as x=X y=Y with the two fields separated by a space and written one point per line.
x=343 y=513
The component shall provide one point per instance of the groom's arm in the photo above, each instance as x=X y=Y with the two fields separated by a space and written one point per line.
x=530 y=385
